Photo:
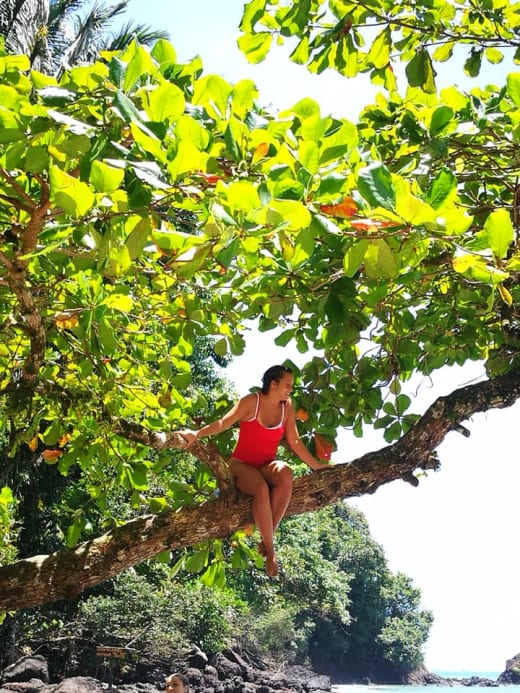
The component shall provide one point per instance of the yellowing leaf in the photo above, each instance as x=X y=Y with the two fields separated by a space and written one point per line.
x=505 y=295
x=66 y=322
x=260 y=152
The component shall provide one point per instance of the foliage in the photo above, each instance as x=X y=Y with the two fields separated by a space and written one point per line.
x=406 y=627
x=146 y=206
x=354 y=37
x=159 y=621
x=313 y=614
x=336 y=605
x=102 y=170
x=56 y=34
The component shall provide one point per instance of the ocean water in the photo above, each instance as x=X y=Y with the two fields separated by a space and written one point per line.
x=373 y=688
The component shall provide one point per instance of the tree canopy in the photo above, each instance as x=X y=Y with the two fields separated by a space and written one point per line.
x=145 y=205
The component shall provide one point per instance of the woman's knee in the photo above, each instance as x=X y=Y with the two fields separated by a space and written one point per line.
x=280 y=474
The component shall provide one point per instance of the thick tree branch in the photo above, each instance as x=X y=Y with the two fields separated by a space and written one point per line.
x=208 y=454
x=66 y=573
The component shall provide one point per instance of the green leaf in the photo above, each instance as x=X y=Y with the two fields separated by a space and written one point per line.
x=290 y=214
x=513 y=87
x=72 y=195
x=443 y=188
x=375 y=185
x=493 y=55
x=164 y=52
x=215 y=575
x=107 y=340
x=138 y=238
x=141 y=64
x=441 y=118
x=380 y=262
x=354 y=257
x=197 y=561
x=444 y=51
x=129 y=112
x=212 y=92
x=255 y=46
x=136 y=475
x=301 y=53
x=499 y=231
x=186 y=264
x=379 y=54
x=243 y=97
x=420 y=72
x=105 y=178
x=74 y=531
x=121 y=302
x=473 y=63
x=165 y=103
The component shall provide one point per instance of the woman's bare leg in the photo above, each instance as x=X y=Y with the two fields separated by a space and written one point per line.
x=251 y=481
x=279 y=476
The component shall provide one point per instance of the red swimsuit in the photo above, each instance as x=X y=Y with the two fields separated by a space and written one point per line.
x=257 y=444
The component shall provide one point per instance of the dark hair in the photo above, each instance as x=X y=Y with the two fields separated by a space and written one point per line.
x=274 y=373
x=184 y=679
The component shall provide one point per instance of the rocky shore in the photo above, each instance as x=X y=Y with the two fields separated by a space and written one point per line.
x=227 y=672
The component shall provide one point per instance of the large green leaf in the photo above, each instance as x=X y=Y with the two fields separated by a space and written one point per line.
x=375 y=184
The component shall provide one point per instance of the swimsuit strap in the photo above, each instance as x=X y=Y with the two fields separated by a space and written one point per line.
x=257 y=406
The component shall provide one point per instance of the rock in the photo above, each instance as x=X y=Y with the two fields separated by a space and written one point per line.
x=226 y=668
x=27 y=668
x=197 y=658
x=31 y=686
x=210 y=675
x=511 y=675
x=79 y=684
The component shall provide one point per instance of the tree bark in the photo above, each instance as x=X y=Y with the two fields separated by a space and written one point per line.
x=64 y=574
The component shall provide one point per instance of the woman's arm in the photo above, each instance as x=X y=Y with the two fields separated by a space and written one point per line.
x=238 y=411
x=295 y=443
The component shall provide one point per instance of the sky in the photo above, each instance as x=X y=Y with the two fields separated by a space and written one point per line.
x=455 y=534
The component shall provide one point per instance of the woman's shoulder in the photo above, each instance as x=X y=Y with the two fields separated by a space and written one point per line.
x=248 y=405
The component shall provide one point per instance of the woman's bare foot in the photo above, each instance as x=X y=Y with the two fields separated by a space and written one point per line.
x=261 y=549
x=271 y=565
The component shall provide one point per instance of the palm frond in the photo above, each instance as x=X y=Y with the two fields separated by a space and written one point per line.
x=89 y=35
x=23 y=23
x=145 y=34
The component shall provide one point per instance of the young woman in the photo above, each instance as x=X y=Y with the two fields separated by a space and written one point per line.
x=177 y=683
x=265 y=418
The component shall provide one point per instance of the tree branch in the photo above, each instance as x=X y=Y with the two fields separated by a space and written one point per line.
x=64 y=574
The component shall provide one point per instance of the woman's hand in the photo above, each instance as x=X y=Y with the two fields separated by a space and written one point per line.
x=189 y=437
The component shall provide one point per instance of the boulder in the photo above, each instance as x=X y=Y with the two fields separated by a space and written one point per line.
x=27 y=668
x=511 y=675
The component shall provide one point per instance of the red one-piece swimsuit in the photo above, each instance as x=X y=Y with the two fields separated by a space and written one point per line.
x=257 y=444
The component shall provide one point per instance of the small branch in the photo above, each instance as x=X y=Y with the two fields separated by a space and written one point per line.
x=17 y=188
x=16 y=203
x=208 y=454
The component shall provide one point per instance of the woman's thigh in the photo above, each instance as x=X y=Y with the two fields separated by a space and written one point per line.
x=248 y=479
x=277 y=473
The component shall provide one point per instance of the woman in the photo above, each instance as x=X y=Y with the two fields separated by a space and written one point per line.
x=265 y=418
x=177 y=683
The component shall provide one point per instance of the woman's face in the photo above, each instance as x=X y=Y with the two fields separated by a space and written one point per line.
x=283 y=387
x=175 y=685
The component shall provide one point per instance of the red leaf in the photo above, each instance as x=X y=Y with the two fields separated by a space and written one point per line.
x=344 y=209
x=323 y=447
x=367 y=224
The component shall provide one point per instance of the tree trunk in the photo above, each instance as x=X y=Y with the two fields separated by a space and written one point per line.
x=64 y=574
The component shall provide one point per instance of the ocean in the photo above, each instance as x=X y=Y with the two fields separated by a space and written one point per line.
x=493 y=675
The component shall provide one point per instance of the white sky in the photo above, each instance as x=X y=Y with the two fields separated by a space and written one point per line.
x=456 y=534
